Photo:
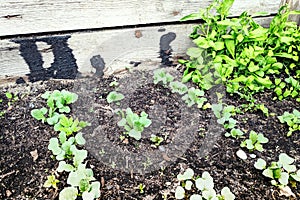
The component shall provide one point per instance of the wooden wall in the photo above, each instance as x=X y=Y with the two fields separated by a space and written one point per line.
x=56 y=36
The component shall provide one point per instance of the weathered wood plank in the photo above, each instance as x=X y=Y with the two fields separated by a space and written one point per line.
x=36 y=16
x=294 y=5
x=118 y=48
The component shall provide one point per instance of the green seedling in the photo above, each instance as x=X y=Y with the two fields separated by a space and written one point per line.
x=281 y=172
x=141 y=188
x=223 y=115
x=255 y=141
x=292 y=120
x=82 y=183
x=178 y=87
x=161 y=76
x=235 y=133
x=65 y=148
x=51 y=182
x=200 y=187
x=57 y=102
x=133 y=123
x=156 y=140
x=114 y=84
x=69 y=126
x=194 y=96
x=114 y=97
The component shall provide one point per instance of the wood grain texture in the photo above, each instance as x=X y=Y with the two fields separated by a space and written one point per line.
x=117 y=47
x=39 y=16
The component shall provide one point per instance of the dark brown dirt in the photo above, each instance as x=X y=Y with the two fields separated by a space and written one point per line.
x=22 y=177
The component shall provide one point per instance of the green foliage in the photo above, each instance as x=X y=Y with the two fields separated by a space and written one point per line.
x=114 y=97
x=133 y=123
x=189 y=185
x=51 y=182
x=11 y=98
x=242 y=54
x=194 y=96
x=223 y=114
x=281 y=172
x=57 y=102
x=69 y=126
x=156 y=139
x=255 y=141
x=292 y=120
x=235 y=133
x=160 y=76
x=64 y=148
x=178 y=87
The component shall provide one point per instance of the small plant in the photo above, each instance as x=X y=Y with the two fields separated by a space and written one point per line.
x=114 y=97
x=255 y=141
x=51 y=182
x=156 y=139
x=114 y=84
x=223 y=114
x=12 y=98
x=141 y=188
x=178 y=87
x=194 y=96
x=292 y=120
x=163 y=77
x=203 y=185
x=82 y=183
x=57 y=102
x=281 y=172
x=133 y=123
x=235 y=133
x=69 y=126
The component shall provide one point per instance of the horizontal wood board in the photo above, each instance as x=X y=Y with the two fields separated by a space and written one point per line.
x=118 y=48
x=40 y=16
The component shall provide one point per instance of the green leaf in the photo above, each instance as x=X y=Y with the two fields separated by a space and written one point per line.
x=196 y=197
x=262 y=139
x=54 y=119
x=135 y=134
x=179 y=192
x=284 y=178
x=268 y=173
x=114 y=96
x=63 y=166
x=260 y=164
x=188 y=185
x=192 y=16
x=285 y=159
x=39 y=114
x=194 y=52
x=54 y=146
x=187 y=175
x=227 y=194
x=68 y=193
x=79 y=139
x=230 y=47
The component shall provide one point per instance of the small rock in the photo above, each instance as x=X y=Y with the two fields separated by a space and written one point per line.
x=34 y=155
x=241 y=154
x=168 y=183
x=8 y=193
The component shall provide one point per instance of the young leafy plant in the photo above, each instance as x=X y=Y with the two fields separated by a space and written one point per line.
x=133 y=123
x=156 y=139
x=114 y=97
x=194 y=96
x=161 y=76
x=255 y=141
x=178 y=87
x=235 y=133
x=51 y=182
x=223 y=114
x=292 y=120
x=69 y=126
x=82 y=183
x=200 y=187
x=281 y=172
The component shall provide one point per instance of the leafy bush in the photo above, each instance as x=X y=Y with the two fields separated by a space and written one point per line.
x=242 y=54
x=255 y=141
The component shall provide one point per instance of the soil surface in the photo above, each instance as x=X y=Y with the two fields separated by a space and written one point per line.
x=192 y=139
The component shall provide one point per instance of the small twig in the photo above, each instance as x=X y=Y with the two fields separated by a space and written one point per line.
x=7 y=174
